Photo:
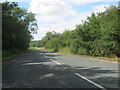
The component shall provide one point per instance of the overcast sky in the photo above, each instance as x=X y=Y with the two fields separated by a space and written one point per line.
x=58 y=15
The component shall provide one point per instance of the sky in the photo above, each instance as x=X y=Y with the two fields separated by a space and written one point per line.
x=58 y=15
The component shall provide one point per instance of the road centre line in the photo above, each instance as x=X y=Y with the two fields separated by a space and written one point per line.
x=56 y=62
x=46 y=57
x=99 y=86
x=40 y=53
x=90 y=81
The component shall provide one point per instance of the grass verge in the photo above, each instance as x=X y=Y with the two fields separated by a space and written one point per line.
x=66 y=50
x=11 y=53
x=41 y=48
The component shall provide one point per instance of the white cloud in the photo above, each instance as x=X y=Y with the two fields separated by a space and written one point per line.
x=100 y=8
x=40 y=33
x=49 y=18
x=50 y=7
x=79 y=2
x=14 y=0
x=61 y=26
x=55 y=13
x=51 y=10
x=74 y=1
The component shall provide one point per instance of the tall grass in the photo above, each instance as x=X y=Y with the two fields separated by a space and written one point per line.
x=65 y=50
x=9 y=54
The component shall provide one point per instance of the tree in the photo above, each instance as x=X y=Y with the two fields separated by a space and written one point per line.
x=98 y=35
x=110 y=30
x=17 y=26
x=53 y=44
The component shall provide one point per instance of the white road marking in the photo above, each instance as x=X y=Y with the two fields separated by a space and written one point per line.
x=46 y=57
x=32 y=63
x=103 y=60
x=90 y=81
x=55 y=62
x=115 y=62
x=40 y=53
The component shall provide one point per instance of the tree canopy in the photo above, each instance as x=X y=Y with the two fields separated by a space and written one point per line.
x=17 y=26
x=98 y=35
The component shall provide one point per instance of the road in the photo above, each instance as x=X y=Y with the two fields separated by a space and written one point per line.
x=41 y=69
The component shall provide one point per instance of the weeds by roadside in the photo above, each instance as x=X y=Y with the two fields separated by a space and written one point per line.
x=9 y=54
x=66 y=50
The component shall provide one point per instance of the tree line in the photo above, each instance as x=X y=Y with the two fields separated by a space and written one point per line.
x=17 y=25
x=98 y=35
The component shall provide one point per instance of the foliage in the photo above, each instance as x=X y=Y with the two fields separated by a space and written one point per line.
x=98 y=35
x=53 y=44
x=9 y=54
x=16 y=26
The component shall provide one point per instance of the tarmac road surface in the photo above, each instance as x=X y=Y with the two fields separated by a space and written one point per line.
x=41 y=69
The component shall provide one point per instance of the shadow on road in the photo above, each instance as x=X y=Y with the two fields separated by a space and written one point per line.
x=34 y=70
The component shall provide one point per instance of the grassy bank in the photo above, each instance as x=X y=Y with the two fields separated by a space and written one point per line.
x=11 y=53
x=41 y=48
x=66 y=50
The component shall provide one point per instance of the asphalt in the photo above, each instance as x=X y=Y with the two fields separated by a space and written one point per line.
x=41 y=69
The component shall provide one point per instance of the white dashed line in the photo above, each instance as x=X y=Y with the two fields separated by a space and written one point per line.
x=90 y=81
x=46 y=57
x=55 y=62
x=40 y=53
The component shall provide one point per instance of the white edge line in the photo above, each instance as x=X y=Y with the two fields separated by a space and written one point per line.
x=91 y=81
x=103 y=60
x=55 y=62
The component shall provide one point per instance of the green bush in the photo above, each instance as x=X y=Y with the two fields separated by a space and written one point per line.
x=82 y=51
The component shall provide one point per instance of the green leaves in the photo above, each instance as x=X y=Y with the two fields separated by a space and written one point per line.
x=17 y=25
x=53 y=44
x=99 y=35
